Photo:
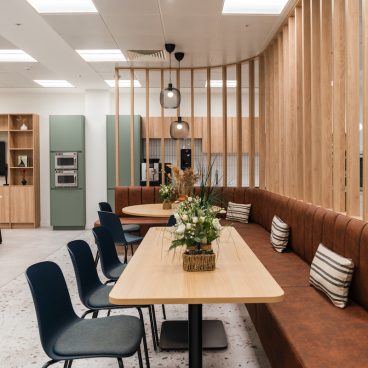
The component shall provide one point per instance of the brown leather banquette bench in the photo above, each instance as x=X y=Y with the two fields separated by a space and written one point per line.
x=306 y=329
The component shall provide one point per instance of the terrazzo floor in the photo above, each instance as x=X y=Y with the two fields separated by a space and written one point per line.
x=20 y=344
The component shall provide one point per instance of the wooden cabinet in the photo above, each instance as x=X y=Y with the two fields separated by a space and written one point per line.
x=22 y=206
x=4 y=206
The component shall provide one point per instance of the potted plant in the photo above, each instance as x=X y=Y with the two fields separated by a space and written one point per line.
x=23 y=172
x=167 y=192
x=185 y=180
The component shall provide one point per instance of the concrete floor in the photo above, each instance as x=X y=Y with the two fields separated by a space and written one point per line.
x=22 y=248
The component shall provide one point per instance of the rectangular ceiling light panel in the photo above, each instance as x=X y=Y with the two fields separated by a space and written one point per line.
x=15 y=56
x=63 y=6
x=101 y=55
x=218 y=83
x=123 y=83
x=254 y=7
x=54 y=83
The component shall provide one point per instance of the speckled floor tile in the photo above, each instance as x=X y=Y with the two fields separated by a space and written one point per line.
x=20 y=344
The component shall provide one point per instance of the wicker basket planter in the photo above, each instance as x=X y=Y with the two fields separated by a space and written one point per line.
x=166 y=205
x=199 y=262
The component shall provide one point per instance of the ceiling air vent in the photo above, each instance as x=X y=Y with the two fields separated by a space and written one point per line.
x=146 y=55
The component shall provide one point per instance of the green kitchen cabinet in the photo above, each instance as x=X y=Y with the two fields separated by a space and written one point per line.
x=124 y=153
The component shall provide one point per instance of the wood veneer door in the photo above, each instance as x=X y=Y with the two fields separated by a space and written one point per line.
x=22 y=204
x=4 y=205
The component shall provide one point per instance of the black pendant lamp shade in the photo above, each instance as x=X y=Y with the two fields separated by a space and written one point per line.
x=170 y=97
x=179 y=129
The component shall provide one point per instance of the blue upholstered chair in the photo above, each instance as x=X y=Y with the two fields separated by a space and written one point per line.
x=172 y=221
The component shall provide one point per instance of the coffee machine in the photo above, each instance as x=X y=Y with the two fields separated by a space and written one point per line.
x=155 y=169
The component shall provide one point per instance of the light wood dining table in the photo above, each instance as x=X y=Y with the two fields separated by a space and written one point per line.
x=156 y=276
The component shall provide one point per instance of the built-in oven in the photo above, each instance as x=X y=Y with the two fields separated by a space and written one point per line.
x=66 y=179
x=66 y=161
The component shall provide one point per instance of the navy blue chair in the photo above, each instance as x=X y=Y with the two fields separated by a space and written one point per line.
x=65 y=336
x=112 y=222
x=172 y=221
x=92 y=292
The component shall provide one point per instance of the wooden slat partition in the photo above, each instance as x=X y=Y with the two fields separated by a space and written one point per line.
x=162 y=131
x=352 y=108
x=267 y=97
x=272 y=151
x=365 y=107
x=224 y=126
x=132 y=127
x=275 y=130
x=117 y=167
x=147 y=129
x=286 y=111
x=252 y=138
x=192 y=114
x=209 y=125
x=238 y=126
x=177 y=115
x=261 y=126
x=339 y=106
x=281 y=169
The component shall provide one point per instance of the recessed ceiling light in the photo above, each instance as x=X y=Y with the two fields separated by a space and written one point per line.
x=15 y=56
x=123 y=83
x=54 y=83
x=254 y=7
x=218 y=83
x=102 y=55
x=63 y=6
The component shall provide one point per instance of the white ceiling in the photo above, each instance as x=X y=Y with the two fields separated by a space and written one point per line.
x=197 y=27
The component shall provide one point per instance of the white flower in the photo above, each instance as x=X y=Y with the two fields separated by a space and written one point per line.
x=222 y=211
x=189 y=226
x=185 y=217
x=176 y=215
x=195 y=220
x=177 y=202
x=202 y=218
x=190 y=199
x=216 y=224
x=180 y=229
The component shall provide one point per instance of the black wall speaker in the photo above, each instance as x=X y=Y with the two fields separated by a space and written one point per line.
x=185 y=158
x=2 y=158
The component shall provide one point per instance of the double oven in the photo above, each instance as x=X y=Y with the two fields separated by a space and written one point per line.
x=66 y=170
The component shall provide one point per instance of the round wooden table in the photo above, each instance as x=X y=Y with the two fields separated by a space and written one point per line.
x=149 y=210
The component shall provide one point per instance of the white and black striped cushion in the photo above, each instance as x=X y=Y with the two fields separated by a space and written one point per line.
x=279 y=234
x=238 y=212
x=332 y=274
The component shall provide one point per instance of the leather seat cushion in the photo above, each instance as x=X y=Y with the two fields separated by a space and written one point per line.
x=320 y=334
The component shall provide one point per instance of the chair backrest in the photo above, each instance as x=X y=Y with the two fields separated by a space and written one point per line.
x=105 y=207
x=106 y=248
x=85 y=270
x=52 y=302
x=172 y=221
x=112 y=222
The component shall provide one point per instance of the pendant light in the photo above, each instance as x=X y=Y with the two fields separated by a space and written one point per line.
x=170 y=96
x=179 y=129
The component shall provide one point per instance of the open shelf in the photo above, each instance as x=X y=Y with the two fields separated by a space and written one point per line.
x=13 y=157
x=16 y=177
x=21 y=139
x=3 y=123
x=16 y=121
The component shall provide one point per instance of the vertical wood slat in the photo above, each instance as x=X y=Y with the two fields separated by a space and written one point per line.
x=339 y=105
x=307 y=118
x=286 y=111
x=275 y=138
x=224 y=125
x=292 y=105
x=132 y=127
x=352 y=108
x=365 y=107
x=209 y=125
x=238 y=126
x=281 y=114
x=117 y=164
x=299 y=103
x=252 y=141
x=326 y=103
x=316 y=104
x=147 y=128
x=192 y=115
x=272 y=151
x=162 y=132
x=261 y=125
x=267 y=97
x=178 y=114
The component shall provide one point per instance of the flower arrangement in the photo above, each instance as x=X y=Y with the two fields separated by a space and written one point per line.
x=23 y=173
x=185 y=179
x=196 y=226
x=167 y=191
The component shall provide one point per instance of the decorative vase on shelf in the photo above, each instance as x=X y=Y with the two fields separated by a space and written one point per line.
x=23 y=127
x=166 y=205
x=24 y=182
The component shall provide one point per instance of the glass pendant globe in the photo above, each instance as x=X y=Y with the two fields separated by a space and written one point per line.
x=179 y=129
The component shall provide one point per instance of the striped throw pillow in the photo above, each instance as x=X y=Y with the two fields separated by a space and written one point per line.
x=332 y=274
x=238 y=212
x=279 y=234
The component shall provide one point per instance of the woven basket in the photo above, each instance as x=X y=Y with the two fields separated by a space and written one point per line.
x=199 y=262
x=166 y=205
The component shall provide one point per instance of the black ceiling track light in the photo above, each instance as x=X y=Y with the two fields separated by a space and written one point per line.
x=179 y=129
x=170 y=96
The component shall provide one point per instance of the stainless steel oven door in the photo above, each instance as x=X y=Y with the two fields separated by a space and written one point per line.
x=66 y=179
x=66 y=161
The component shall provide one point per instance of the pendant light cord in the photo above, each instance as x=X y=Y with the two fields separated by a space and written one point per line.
x=170 y=67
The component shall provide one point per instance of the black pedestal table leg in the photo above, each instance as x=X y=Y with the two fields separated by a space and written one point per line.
x=195 y=335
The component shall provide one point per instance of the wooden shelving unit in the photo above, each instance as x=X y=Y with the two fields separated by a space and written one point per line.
x=20 y=204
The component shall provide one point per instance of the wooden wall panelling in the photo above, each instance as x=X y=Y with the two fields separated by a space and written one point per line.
x=177 y=115
x=224 y=126
x=352 y=108
x=272 y=116
x=209 y=124
x=267 y=127
x=192 y=115
x=147 y=128
x=339 y=105
x=36 y=170
x=252 y=133
x=238 y=126
x=285 y=34
x=261 y=125
x=365 y=107
x=299 y=103
x=307 y=119
x=217 y=135
x=281 y=114
x=326 y=103
x=316 y=104
x=162 y=130
x=276 y=149
x=117 y=126
x=292 y=96
x=132 y=126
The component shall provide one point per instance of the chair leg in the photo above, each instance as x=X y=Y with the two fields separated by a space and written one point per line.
x=120 y=361
x=131 y=247
x=126 y=255
x=108 y=282
x=70 y=364
x=95 y=314
x=144 y=338
x=163 y=311
x=152 y=328
x=108 y=313
x=50 y=363
x=87 y=312
x=154 y=322
x=140 y=358
x=97 y=258
x=66 y=364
